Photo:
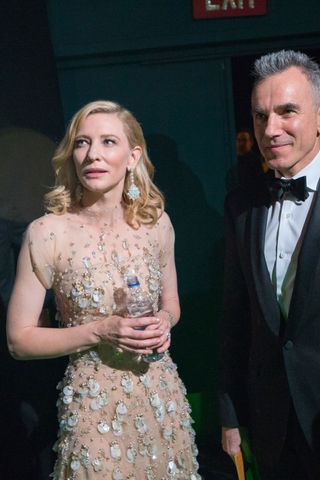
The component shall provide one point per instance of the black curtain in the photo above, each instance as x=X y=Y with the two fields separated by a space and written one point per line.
x=30 y=111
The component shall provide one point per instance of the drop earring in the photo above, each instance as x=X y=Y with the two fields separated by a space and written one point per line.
x=133 y=191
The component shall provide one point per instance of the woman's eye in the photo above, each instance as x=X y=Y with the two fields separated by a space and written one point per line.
x=109 y=141
x=80 y=142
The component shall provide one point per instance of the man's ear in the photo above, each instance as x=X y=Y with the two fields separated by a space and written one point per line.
x=318 y=121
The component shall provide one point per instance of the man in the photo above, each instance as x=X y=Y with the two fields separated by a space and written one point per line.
x=249 y=165
x=270 y=368
x=244 y=142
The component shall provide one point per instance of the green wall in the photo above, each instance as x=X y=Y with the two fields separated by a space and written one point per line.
x=175 y=74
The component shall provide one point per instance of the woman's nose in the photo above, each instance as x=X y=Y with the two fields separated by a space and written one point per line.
x=94 y=152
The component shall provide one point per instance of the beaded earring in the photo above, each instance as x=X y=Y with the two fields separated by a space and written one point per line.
x=133 y=191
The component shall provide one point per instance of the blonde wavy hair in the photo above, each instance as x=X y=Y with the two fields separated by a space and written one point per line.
x=67 y=191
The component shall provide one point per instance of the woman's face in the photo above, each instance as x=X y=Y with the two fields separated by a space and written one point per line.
x=102 y=154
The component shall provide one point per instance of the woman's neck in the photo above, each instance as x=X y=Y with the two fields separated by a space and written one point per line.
x=100 y=212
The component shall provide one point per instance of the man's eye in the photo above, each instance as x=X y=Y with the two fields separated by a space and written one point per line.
x=260 y=116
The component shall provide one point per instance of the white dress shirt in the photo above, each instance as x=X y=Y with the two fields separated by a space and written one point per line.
x=284 y=234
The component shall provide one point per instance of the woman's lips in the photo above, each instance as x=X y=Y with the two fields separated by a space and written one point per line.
x=94 y=172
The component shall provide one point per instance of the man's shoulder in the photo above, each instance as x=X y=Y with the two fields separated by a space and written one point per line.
x=247 y=196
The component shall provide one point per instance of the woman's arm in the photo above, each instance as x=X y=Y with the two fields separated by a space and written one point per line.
x=169 y=313
x=27 y=339
x=169 y=300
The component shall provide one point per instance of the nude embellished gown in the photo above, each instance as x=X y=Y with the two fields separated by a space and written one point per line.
x=120 y=418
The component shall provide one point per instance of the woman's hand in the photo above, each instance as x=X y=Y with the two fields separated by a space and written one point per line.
x=139 y=335
x=164 y=325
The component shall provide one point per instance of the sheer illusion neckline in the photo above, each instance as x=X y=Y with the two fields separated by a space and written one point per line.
x=107 y=216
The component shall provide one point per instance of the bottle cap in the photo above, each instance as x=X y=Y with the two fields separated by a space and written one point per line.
x=132 y=281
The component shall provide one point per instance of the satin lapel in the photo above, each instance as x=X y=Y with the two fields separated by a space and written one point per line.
x=264 y=288
x=306 y=268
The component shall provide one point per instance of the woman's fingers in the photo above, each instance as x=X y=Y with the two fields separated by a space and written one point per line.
x=140 y=335
x=142 y=322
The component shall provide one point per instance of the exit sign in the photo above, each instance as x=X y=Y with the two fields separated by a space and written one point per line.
x=228 y=8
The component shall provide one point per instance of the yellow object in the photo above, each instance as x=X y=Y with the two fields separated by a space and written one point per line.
x=238 y=461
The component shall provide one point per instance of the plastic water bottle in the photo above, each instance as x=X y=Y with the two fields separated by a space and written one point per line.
x=139 y=304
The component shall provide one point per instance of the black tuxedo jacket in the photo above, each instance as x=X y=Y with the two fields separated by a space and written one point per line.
x=268 y=363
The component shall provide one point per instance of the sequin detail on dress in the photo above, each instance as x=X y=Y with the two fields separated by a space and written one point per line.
x=119 y=418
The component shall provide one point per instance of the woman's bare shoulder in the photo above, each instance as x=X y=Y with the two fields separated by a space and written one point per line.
x=46 y=219
x=48 y=222
x=164 y=219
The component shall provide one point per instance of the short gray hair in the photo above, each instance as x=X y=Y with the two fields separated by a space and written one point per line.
x=277 y=62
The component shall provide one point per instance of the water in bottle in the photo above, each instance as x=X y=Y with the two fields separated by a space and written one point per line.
x=139 y=304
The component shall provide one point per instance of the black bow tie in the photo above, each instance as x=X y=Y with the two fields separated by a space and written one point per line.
x=297 y=187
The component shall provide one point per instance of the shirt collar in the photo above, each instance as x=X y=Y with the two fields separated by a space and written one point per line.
x=310 y=171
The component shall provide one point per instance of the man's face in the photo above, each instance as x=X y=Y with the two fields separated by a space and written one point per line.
x=286 y=121
x=244 y=142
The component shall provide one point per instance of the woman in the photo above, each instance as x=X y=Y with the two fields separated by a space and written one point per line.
x=120 y=417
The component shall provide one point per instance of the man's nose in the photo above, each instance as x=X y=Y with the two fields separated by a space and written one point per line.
x=273 y=126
